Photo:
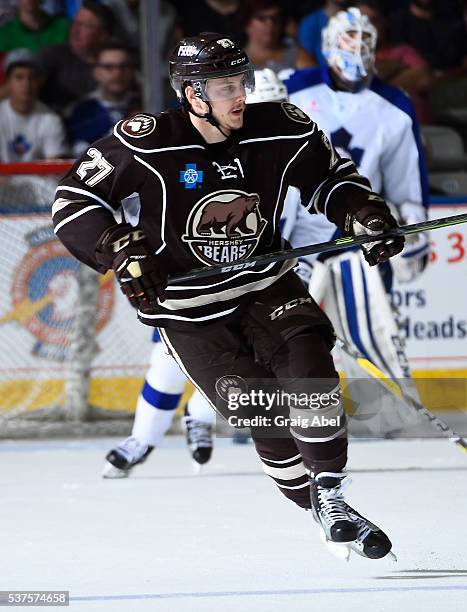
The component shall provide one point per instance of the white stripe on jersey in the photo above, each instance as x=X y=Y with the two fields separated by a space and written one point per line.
x=293 y=136
x=75 y=216
x=282 y=182
x=173 y=352
x=140 y=150
x=143 y=315
x=228 y=294
x=164 y=200
x=85 y=193
x=226 y=280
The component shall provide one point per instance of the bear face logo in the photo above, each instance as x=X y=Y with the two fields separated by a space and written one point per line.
x=225 y=226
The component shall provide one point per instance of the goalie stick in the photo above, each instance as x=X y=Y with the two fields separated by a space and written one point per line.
x=322 y=247
x=395 y=388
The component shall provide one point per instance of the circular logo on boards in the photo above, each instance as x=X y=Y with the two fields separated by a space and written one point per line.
x=44 y=294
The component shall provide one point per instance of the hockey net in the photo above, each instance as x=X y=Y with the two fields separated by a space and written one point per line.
x=73 y=356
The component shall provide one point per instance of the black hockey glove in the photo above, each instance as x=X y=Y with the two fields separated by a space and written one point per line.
x=373 y=220
x=125 y=249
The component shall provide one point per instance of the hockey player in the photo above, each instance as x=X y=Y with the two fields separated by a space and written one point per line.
x=374 y=125
x=165 y=382
x=211 y=180
x=162 y=392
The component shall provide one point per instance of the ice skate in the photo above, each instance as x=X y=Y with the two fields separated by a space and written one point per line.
x=199 y=440
x=343 y=529
x=122 y=459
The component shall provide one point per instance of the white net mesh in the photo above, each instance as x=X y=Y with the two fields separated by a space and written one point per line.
x=72 y=353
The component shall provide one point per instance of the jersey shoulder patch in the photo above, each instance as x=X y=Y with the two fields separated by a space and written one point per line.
x=294 y=113
x=139 y=126
x=139 y=132
x=271 y=119
x=155 y=133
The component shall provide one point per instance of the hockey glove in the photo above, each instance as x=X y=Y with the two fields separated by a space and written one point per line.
x=414 y=258
x=373 y=220
x=125 y=249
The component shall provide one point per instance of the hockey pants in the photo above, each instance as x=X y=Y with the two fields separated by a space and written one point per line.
x=282 y=334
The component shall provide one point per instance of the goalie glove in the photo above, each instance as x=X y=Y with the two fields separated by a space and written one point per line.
x=409 y=264
x=125 y=249
x=373 y=220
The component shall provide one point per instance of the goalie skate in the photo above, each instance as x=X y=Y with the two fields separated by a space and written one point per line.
x=342 y=528
x=122 y=459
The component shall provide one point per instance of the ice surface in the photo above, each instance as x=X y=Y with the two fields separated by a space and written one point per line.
x=226 y=540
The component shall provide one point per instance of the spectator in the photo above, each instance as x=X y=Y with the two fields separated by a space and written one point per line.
x=30 y=130
x=311 y=26
x=263 y=24
x=301 y=8
x=114 y=99
x=209 y=16
x=7 y=10
x=125 y=13
x=400 y=64
x=440 y=38
x=69 y=67
x=297 y=11
x=33 y=29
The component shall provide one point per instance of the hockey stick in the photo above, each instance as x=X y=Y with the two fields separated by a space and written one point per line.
x=322 y=247
x=395 y=388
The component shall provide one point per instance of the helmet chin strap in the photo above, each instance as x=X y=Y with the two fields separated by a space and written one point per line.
x=209 y=117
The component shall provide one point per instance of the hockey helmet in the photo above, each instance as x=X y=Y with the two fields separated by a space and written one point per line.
x=349 y=44
x=198 y=59
x=268 y=88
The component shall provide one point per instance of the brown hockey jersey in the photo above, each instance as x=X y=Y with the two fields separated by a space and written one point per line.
x=202 y=204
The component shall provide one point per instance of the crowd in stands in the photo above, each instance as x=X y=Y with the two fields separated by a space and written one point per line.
x=70 y=69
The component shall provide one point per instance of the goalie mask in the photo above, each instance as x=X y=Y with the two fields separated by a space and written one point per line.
x=268 y=88
x=197 y=60
x=349 y=44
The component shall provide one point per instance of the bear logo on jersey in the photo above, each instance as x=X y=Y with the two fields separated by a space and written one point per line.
x=224 y=226
x=139 y=126
x=295 y=113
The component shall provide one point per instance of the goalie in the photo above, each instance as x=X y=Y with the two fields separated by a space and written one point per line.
x=374 y=125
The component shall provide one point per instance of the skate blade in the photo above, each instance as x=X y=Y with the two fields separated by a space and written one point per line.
x=110 y=471
x=357 y=548
x=197 y=468
x=341 y=551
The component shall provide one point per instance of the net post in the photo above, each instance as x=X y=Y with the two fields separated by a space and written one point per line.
x=84 y=347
